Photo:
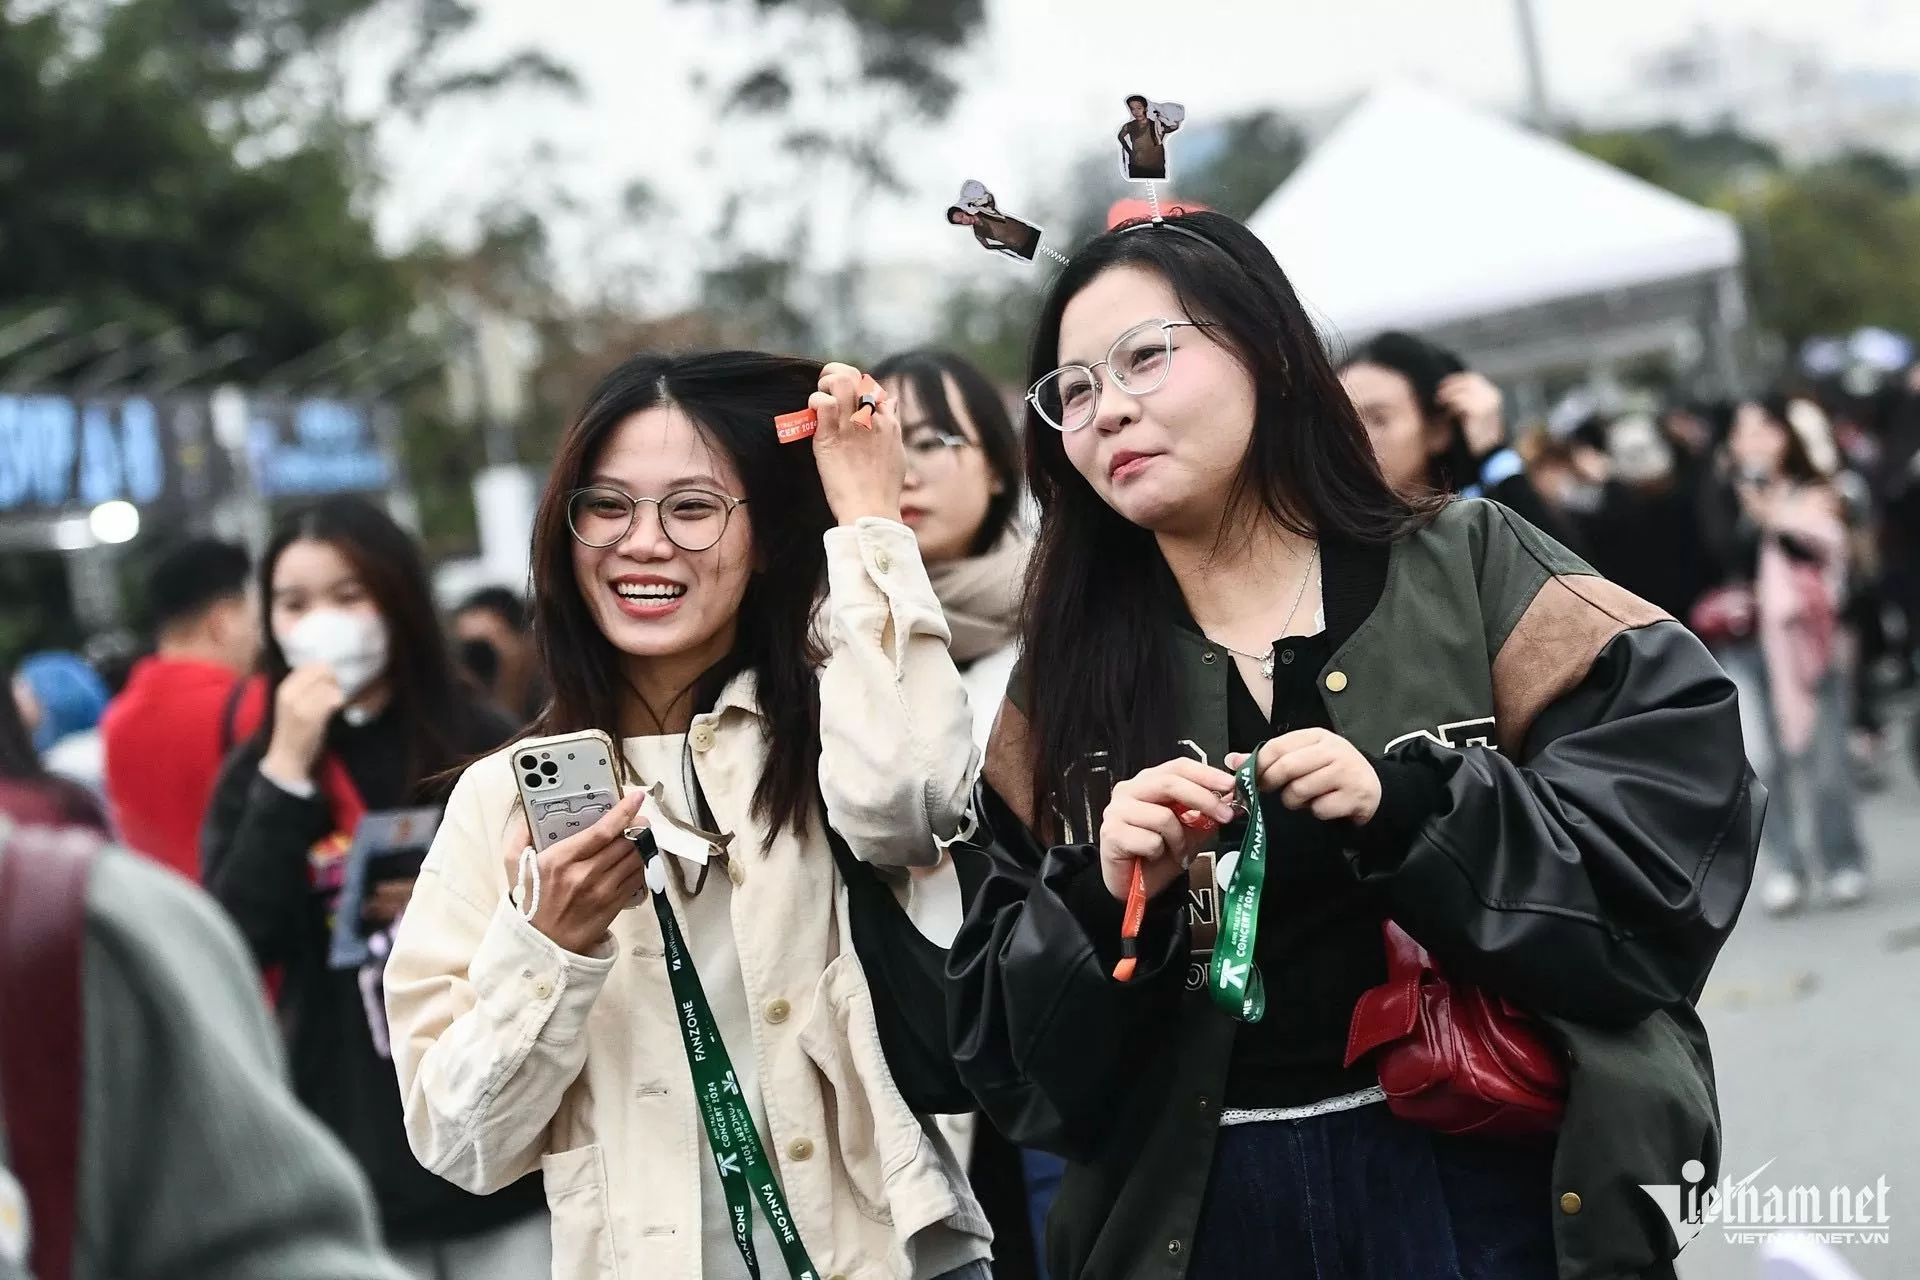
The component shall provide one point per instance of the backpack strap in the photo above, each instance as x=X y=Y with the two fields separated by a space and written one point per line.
x=43 y=915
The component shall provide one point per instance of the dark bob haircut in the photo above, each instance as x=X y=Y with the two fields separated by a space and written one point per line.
x=926 y=372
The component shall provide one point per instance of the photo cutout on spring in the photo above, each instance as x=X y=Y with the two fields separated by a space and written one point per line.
x=1144 y=138
x=994 y=230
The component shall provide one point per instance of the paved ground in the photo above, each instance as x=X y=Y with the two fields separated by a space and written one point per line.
x=1815 y=1022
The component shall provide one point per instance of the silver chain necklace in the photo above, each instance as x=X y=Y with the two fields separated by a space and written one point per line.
x=1266 y=663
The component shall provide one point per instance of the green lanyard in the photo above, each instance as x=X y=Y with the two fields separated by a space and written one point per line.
x=1233 y=979
x=745 y=1175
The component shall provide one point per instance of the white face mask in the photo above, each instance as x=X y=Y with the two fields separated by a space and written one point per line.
x=351 y=642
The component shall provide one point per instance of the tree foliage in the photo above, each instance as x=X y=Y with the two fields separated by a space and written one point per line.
x=187 y=167
x=1830 y=245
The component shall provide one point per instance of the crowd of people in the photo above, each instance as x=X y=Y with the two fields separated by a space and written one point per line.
x=1060 y=684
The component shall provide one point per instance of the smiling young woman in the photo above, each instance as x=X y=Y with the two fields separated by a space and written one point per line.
x=1453 y=725
x=754 y=626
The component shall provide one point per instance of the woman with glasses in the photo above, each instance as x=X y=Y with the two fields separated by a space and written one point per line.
x=963 y=502
x=681 y=555
x=1376 y=711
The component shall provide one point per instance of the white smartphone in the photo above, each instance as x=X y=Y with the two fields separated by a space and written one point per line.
x=566 y=782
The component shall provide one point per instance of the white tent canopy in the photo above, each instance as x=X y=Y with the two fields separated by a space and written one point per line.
x=1419 y=212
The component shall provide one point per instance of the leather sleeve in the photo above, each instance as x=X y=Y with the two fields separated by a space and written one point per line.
x=1596 y=877
x=1042 y=1034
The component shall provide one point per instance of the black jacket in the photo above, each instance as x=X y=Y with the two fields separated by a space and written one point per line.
x=254 y=850
x=1587 y=856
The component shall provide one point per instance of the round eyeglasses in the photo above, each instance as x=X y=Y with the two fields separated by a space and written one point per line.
x=932 y=452
x=693 y=519
x=1138 y=362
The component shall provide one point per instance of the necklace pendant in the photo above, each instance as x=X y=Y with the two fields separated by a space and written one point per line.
x=1266 y=666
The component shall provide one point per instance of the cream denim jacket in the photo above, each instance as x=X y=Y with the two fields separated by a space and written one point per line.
x=514 y=1054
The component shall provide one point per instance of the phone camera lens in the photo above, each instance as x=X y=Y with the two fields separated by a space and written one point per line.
x=533 y=779
x=528 y=762
x=549 y=768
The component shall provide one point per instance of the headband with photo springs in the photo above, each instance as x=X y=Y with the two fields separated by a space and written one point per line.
x=1169 y=224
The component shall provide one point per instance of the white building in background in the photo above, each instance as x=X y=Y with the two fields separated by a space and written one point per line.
x=1779 y=90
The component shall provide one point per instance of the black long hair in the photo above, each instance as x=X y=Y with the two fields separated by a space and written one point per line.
x=732 y=398
x=1100 y=596
x=19 y=762
x=424 y=691
x=1797 y=462
x=926 y=372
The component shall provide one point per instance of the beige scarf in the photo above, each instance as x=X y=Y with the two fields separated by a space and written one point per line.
x=981 y=596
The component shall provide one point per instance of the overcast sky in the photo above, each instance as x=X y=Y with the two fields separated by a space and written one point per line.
x=1044 y=84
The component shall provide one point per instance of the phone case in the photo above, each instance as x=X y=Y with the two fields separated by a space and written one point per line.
x=566 y=782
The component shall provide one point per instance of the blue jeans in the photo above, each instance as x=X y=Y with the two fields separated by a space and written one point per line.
x=1362 y=1195
x=1825 y=768
x=1043 y=1172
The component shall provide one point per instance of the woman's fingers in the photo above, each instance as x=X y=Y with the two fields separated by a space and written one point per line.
x=1218 y=781
x=1178 y=793
x=592 y=844
x=826 y=409
x=1296 y=764
x=1309 y=787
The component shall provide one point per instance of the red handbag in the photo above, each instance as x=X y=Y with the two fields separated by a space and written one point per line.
x=1454 y=1058
x=1723 y=615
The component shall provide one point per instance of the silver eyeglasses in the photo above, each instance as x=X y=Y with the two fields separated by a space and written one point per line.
x=931 y=451
x=1138 y=362
x=693 y=519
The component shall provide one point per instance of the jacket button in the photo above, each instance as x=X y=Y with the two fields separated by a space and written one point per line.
x=882 y=561
x=801 y=1148
x=542 y=989
x=735 y=873
x=1204 y=1104
x=1207 y=656
x=1336 y=681
x=1173 y=1248
x=702 y=737
x=777 y=1010
x=1570 y=1203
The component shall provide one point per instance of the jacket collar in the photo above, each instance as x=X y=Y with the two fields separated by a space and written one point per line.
x=738 y=694
x=1352 y=579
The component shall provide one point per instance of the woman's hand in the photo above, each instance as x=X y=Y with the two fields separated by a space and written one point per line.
x=862 y=469
x=586 y=879
x=305 y=703
x=1319 y=770
x=1474 y=402
x=1142 y=823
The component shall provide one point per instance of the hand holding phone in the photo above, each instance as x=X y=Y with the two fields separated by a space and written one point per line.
x=586 y=880
x=572 y=816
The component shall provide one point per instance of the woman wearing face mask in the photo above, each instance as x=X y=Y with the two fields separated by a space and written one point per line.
x=962 y=501
x=1436 y=427
x=680 y=558
x=1775 y=526
x=1454 y=725
x=357 y=710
